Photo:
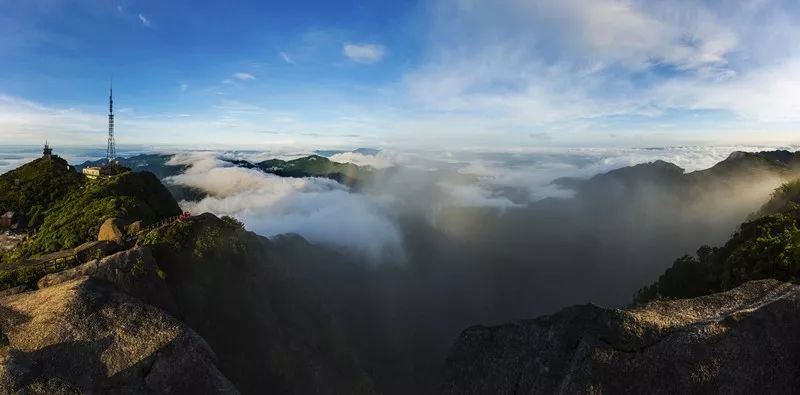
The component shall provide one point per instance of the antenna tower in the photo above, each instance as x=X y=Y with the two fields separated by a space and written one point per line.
x=111 y=154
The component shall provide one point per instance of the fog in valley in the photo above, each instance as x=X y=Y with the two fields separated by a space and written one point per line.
x=434 y=244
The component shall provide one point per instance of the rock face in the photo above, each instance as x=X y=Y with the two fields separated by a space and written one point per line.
x=134 y=228
x=84 y=336
x=113 y=229
x=94 y=248
x=741 y=341
x=133 y=271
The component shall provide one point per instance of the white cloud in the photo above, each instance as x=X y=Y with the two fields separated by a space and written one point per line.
x=364 y=53
x=183 y=86
x=769 y=94
x=145 y=21
x=475 y=196
x=321 y=210
x=565 y=67
x=242 y=76
x=381 y=160
x=286 y=58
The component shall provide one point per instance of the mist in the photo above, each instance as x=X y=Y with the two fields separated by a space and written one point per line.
x=433 y=245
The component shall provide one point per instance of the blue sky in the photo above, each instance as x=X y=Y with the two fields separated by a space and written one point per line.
x=460 y=73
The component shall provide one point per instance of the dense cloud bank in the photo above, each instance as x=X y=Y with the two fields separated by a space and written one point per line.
x=319 y=209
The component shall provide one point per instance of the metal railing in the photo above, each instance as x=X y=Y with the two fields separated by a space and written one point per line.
x=160 y=224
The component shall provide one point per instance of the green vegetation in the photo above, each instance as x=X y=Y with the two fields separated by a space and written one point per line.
x=76 y=218
x=233 y=222
x=34 y=187
x=161 y=273
x=767 y=246
x=204 y=238
x=29 y=276
x=138 y=268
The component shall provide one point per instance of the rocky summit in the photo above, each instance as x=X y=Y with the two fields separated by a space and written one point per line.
x=741 y=341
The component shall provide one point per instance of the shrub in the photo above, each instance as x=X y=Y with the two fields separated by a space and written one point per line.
x=138 y=269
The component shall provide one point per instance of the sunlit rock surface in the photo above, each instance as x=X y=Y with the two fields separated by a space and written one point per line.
x=84 y=336
x=741 y=341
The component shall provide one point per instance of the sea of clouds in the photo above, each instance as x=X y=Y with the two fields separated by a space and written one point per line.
x=422 y=182
x=324 y=211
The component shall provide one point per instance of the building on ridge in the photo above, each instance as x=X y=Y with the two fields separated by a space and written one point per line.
x=47 y=152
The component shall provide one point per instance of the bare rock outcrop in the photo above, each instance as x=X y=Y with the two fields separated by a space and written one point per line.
x=93 y=249
x=134 y=228
x=133 y=271
x=741 y=341
x=113 y=229
x=84 y=336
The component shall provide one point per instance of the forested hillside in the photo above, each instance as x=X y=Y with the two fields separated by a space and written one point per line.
x=766 y=246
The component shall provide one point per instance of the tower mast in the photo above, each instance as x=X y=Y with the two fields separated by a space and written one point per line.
x=111 y=154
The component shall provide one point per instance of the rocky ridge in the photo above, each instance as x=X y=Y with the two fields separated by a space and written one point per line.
x=739 y=341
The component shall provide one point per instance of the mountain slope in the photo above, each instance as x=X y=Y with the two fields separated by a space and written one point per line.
x=77 y=216
x=738 y=166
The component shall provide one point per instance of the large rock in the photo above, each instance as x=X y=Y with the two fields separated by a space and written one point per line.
x=84 y=336
x=94 y=249
x=133 y=271
x=742 y=341
x=112 y=229
x=134 y=228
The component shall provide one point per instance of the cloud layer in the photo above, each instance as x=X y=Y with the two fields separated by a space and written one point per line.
x=321 y=210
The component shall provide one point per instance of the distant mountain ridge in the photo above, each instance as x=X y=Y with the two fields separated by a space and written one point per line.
x=307 y=166
x=781 y=163
x=311 y=166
